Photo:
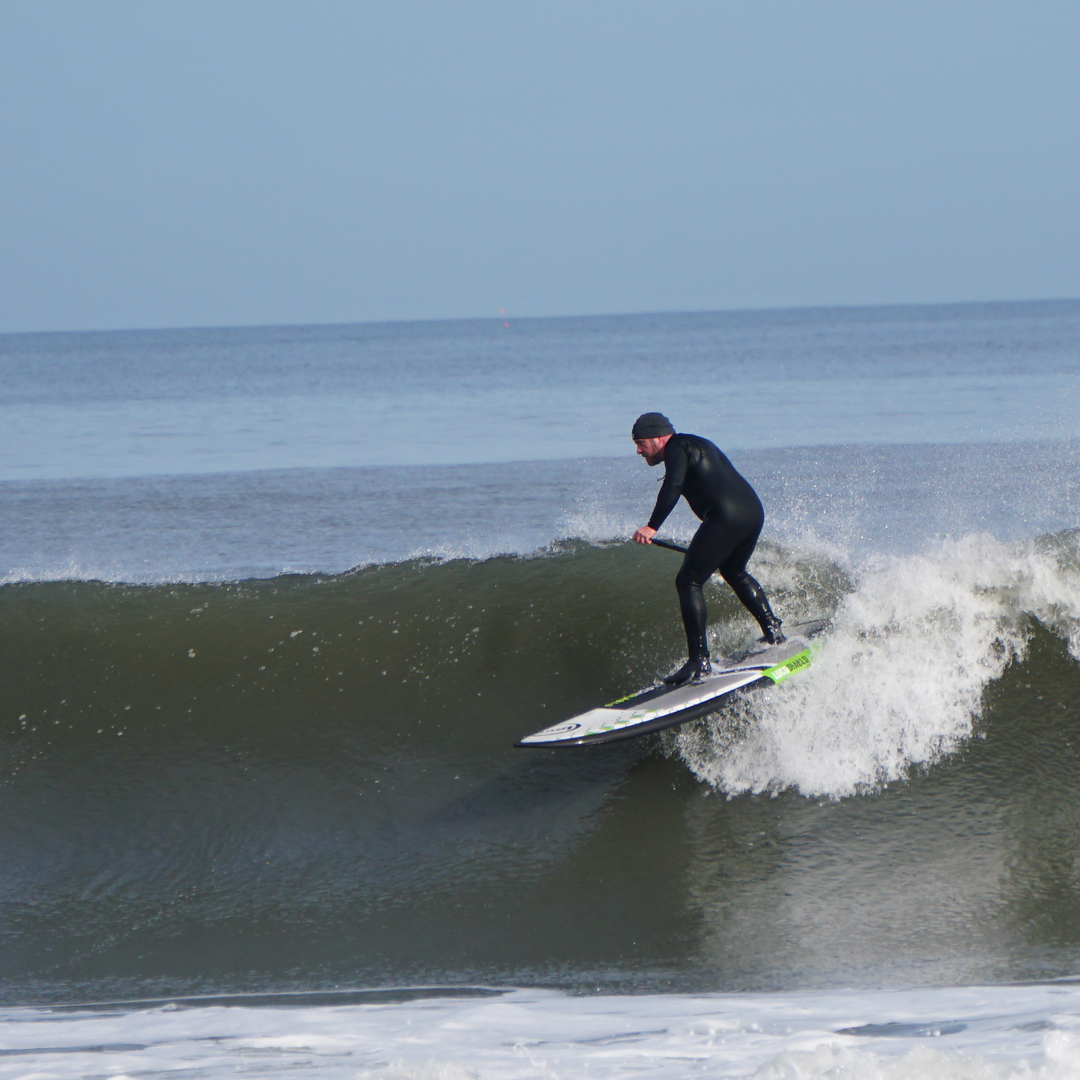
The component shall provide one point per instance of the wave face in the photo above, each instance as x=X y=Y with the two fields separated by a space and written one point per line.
x=310 y=781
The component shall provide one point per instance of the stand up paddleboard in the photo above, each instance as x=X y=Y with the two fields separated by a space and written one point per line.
x=666 y=706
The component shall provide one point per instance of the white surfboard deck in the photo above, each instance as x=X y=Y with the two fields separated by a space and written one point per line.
x=665 y=706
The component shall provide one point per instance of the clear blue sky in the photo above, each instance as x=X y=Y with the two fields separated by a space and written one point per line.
x=251 y=161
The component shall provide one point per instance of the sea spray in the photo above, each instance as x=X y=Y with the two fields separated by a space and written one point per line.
x=898 y=680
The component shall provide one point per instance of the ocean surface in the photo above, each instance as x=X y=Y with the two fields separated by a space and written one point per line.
x=276 y=603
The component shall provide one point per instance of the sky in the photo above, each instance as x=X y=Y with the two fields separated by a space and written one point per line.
x=242 y=162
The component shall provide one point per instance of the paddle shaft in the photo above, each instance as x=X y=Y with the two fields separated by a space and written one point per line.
x=668 y=544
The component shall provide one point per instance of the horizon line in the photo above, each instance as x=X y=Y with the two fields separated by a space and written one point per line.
x=509 y=320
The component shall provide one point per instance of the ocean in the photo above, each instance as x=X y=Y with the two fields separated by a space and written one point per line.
x=276 y=604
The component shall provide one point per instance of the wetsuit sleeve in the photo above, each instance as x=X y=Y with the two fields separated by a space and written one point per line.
x=676 y=463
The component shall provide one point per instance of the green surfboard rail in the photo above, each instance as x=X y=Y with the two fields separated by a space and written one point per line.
x=799 y=662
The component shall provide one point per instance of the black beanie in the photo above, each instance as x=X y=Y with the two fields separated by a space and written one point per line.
x=652 y=425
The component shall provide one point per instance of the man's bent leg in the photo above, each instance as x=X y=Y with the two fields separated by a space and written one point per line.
x=750 y=593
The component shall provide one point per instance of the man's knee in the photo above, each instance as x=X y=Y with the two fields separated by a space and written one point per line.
x=735 y=578
x=686 y=580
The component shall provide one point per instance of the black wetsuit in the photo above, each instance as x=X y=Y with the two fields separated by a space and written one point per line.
x=731 y=519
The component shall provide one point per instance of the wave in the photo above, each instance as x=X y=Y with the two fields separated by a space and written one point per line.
x=311 y=780
x=500 y=645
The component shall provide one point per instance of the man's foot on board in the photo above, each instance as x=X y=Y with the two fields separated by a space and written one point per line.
x=773 y=634
x=693 y=670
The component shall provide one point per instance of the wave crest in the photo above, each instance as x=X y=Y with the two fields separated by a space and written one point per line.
x=898 y=681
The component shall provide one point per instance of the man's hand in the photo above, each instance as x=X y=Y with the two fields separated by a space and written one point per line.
x=644 y=535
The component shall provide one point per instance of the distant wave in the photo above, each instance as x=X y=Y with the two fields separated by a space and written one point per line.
x=855 y=501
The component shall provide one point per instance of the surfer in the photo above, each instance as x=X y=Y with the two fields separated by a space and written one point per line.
x=731 y=518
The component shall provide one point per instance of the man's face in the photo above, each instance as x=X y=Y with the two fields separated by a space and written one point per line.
x=652 y=450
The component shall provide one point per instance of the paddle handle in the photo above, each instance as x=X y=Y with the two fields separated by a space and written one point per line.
x=668 y=544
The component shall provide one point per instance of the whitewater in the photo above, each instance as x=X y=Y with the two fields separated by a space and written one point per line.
x=989 y=1034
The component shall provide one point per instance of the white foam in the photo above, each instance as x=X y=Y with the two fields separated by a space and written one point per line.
x=995 y=1033
x=898 y=682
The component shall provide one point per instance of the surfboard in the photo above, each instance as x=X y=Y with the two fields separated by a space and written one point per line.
x=666 y=706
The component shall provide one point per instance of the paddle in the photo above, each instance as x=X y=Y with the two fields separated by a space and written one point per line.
x=656 y=542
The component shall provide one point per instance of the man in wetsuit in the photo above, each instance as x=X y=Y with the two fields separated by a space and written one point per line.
x=731 y=519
